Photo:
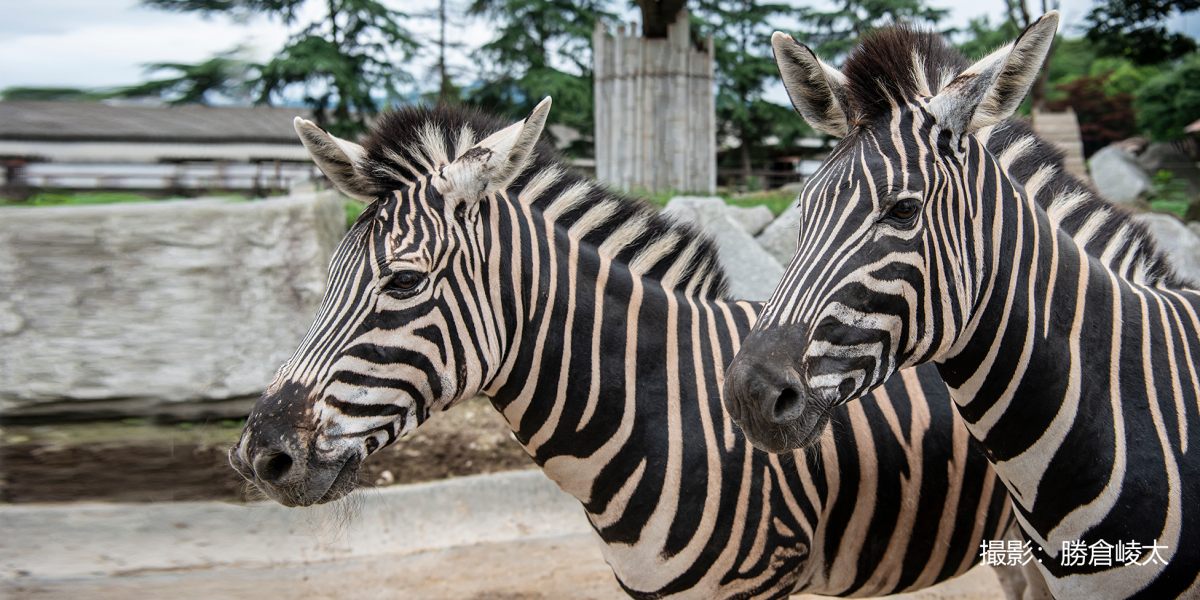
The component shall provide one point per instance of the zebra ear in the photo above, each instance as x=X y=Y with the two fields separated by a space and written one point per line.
x=992 y=89
x=492 y=164
x=817 y=90
x=338 y=159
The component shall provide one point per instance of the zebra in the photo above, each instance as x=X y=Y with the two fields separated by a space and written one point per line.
x=1068 y=345
x=599 y=331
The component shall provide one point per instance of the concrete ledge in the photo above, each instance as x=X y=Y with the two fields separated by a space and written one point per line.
x=55 y=542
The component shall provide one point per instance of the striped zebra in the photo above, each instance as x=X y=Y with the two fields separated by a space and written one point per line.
x=1067 y=344
x=600 y=332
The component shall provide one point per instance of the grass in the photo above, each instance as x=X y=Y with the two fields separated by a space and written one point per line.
x=59 y=199
x=776 y=200
x=85 y=198
x=1170 y=194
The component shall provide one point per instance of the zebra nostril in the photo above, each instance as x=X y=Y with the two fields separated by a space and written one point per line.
x=787 y=406
x=272 y=466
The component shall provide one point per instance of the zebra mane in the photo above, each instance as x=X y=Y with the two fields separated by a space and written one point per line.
x=408 y=144
x=898 y=65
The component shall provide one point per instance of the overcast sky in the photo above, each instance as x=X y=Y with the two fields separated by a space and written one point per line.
x=105 y=43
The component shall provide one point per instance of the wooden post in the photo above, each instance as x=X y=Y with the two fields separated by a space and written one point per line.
x=655 y=112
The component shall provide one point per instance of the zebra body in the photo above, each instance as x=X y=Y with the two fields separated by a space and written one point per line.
x=1070 y=350
x=599 y=332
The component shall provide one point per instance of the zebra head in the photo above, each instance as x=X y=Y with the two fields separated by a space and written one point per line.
x=879 y=282
x=396 y=338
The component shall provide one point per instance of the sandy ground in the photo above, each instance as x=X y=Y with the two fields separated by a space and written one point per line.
x=542 y=569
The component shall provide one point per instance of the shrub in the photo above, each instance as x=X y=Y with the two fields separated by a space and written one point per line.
x=1171 y=101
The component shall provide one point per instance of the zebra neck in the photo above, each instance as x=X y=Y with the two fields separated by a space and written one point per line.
x=1067 y=360
x=609 y=357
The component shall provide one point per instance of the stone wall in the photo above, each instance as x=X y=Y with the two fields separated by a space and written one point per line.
x=181 y=308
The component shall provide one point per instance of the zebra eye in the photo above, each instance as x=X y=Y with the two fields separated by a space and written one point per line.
x=404 y=283
x=905 y=210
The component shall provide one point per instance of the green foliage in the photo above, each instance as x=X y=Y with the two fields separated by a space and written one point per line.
x=56 y=94
x=337 y=61
x=1124 y=77
x=1103 y=118
x=744 y=63
x=353 y=209
x=1072 y=58
x=543 y=48
x=226 y=74
x=982 y=39
x=1136 y=29
x=1170 y=101
x=833 y=33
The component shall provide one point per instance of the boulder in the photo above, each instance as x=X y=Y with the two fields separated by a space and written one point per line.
x=177 y=308
x=1180 y=243
x=1118 y=177
x=1166 y=157
x=753 y=219
x=752 y=272
x=780 y=237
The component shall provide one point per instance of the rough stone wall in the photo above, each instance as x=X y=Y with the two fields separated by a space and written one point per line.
x=177 y=307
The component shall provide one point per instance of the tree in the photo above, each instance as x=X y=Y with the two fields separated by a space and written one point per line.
x=226 y=75
x=1103 y=118
x=744 y=63
x=1170 y=101
x=1136 y=29
x=543 y=48
x=447 y=91
x=340 y=62
x=657 y=15
x=833 y=33
x=982 y=38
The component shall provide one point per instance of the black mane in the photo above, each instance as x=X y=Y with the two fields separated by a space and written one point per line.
x=897 y=65
x=407 y=144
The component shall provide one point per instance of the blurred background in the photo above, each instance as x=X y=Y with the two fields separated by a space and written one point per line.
x=164 y=237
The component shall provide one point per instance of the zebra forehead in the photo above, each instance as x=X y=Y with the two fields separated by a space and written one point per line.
x=897 y=65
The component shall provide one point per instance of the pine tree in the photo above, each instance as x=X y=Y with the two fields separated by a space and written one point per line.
x=744 y=65
x=1136 y=29
x=340 y=62
x=223 y=77
x=833 y=33
x=543 y=48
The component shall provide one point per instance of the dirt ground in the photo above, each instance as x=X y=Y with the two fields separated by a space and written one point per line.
x=133 y=461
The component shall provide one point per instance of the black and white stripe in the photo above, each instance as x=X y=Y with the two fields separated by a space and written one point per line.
x=1070 y=349
x=599 y=331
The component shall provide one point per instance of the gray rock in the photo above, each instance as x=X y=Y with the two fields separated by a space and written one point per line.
x=1165 y=157
x=1117 y=176
x=779 y=238
x=752 y=272
x=753 y=219
x=1180 y=242
x=794 y=187
x=127 y=308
